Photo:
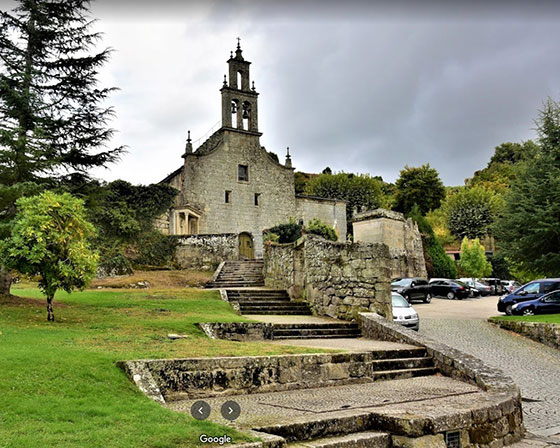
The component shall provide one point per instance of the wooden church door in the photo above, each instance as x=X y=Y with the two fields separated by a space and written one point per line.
x=246 y=249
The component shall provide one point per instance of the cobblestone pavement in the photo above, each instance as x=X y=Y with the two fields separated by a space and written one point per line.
x=534 y=367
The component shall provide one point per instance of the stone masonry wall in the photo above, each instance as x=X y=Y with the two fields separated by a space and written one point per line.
x=330 y=211
x=548 y=334
x=400 y=234
x=336 y=279
x=178 y=379
x=196 y=251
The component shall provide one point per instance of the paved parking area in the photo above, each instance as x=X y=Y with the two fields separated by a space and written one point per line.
x=533 y=366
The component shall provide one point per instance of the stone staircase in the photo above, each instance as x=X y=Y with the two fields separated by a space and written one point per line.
x=239 y=274
x=316 y=331
x=354 y=428
x=267 y=301
x=365 y=439
x=400 y=364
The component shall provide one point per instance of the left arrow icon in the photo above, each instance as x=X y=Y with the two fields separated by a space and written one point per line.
x=200 y=410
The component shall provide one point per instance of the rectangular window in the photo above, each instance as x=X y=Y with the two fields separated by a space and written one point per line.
x=228 y=196
x=243 y=173
x=257 y=199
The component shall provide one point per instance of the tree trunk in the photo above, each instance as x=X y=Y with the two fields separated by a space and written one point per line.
x=5 y=280
x=50 y=313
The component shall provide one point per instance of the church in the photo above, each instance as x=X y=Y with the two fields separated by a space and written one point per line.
x=231 y=185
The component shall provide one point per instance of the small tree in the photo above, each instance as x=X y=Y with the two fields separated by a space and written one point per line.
x=418 y=185
x=473 y=259
x=471 y=212
x=50 y=239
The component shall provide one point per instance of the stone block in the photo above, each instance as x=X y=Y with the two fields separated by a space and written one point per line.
x=435 y=441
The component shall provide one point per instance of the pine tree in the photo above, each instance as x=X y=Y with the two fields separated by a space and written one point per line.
x=529 y=229
x=53 y=124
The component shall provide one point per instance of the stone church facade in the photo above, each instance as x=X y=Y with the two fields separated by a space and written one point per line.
x=230 y=185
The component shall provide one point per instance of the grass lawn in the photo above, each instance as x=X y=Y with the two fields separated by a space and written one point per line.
x=543 y=318
x=59 y=386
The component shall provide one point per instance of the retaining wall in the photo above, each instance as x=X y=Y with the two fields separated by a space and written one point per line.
x=336 y=279
x=548 y=334
x=178 y=379
x=197 y=251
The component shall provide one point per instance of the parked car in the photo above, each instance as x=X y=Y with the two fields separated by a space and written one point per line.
x=510 y=285
x=495 y=284
x=452 y=289
x=547 y=304
x=403 y=313
x=531 y=291
x=413 y=288
x=472 y=283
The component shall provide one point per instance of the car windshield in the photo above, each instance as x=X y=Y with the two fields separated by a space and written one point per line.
x=402 y=282
x=399 y=302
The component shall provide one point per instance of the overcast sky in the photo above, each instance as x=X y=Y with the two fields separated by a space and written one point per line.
x=357 y=86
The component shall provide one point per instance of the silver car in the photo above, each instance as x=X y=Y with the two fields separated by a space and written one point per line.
x=403 y=313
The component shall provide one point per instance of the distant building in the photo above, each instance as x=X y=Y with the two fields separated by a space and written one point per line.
x=231 y=185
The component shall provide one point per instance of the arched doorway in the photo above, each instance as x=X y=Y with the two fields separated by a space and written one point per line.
x=246 y=246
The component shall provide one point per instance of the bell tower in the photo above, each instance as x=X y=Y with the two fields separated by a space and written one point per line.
x=239 y=99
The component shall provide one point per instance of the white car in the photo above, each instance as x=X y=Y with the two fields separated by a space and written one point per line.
x=403 y=313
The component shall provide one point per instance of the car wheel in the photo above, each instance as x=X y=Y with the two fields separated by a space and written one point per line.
x=451 y=295
x=508 y=310
x=427 y=298
x=528 y=312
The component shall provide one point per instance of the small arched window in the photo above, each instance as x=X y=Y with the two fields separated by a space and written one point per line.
x=240 y=80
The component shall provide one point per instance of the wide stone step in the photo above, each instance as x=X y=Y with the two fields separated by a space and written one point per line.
x=401 y=363
x=369 y=439
x=271 y=303
x=311 y=326
x=285 y=312
x=257 y=293
x=233 y=284
x=419 y=352
x=318 y=332
x=273 y=307
x=320 y=336
x=318 y=426
x=402 y=373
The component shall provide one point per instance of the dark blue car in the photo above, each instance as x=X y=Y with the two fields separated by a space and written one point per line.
x=547 y=304
x=531 y=291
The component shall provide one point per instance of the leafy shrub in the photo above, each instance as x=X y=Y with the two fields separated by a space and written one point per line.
x=113 y=261
x=270 y=237
x=287 y=232
x=318 y=227
x=155 y=248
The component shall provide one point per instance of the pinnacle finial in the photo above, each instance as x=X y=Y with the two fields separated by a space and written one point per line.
x=231 y=54
x=188 y=146
x=239 y=43
x=288 y=163
x=225 y=81
x=253 y=88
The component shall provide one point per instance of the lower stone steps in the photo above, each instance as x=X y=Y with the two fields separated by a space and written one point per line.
x=285 y=312
x=318 y=330
x=399 y=374
x=369 y=439
x=240 y=284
